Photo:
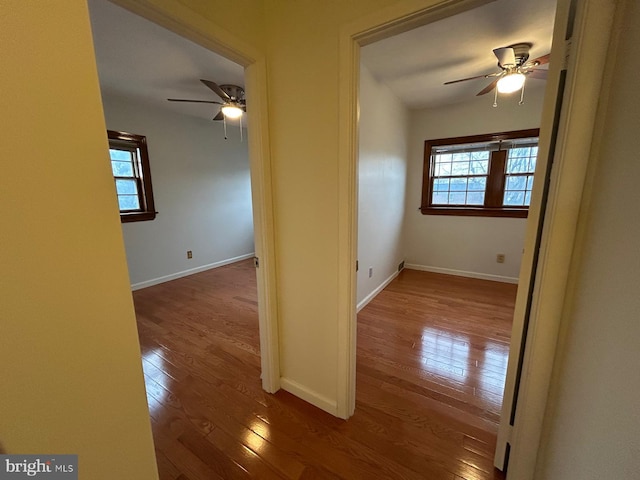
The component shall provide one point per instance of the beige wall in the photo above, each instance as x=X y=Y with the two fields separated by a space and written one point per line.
x=243 y=18
x=593 y=419
x=303 y=61
x=71 y=377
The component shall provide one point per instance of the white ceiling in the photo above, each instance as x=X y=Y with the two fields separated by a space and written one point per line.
x=137 y=58
x=415 y=64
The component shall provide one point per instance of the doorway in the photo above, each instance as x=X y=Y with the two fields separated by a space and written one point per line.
x=363 y=38
x=256 y=206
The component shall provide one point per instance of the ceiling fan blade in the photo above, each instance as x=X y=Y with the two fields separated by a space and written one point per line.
x=214 y=86
x=219 y=116
x=538 y=73
x=488 y=88
x=540 y=60
x=192 y=101
x=506 y=56
x=472 y=78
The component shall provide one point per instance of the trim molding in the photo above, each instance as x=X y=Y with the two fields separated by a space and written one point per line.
x=185 y=273
x=363 y=303
x=462 y=273
x=308 y=395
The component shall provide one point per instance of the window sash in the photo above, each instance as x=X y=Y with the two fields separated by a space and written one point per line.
x=498 y=146
x=139 y=161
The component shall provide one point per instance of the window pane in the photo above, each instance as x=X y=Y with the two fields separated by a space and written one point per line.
x=120 y=155
x=460 y=168
x=126 y=187
x=460 y=157
x=440 y=184
x=122 y=169
x=520 y=152
x=128 y=202
x=458 y=184
x=518 y=165
x=475 y=198
x=440 y=198
x=516 y=182
x=479 y=167
x=482 y=155
x=457 y=198
x=521 y=159
x=478 y=183
x=513 y=198
x=443 y=169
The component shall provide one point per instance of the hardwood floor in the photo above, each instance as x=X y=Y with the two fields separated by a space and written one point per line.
x=431 y=361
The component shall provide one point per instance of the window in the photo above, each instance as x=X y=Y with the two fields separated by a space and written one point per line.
x=132 y=175
x=487 y=175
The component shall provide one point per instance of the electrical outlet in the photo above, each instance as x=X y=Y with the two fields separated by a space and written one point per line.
x=189 y=254
x=500 y=258
x=370 y=272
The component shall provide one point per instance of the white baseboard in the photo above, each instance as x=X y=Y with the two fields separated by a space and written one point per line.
x=308 y=395
x=363 y=303
x=191 y=271
x=462 y=273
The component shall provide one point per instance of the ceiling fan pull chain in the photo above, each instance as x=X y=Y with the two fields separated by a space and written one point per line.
x=522 y=95
x=241 y=127
x=495 y=99
x=224 y=122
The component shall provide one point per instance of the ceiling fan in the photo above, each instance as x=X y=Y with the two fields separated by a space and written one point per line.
x=515 y=67
x=232 y=96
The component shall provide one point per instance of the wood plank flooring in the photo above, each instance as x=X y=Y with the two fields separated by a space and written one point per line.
x=431 y=361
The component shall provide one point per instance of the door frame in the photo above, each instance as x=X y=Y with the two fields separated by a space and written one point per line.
x=582 y=38
x=194 y=27
x=590 y=38
x=374 y=27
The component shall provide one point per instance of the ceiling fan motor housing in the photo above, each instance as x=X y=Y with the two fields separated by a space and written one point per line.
x=235 y=92
x=521 y=52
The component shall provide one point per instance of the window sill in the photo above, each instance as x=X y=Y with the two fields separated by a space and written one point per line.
x=137 y=217
x=476 y=212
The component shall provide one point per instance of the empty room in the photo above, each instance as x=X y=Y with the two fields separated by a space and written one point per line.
x=447 y=155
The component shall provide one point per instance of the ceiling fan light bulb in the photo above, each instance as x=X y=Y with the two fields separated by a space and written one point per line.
x=231 y=111
x=511 y=83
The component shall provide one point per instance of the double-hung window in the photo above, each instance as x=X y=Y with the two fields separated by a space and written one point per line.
x=488 y=175
x=132 y=176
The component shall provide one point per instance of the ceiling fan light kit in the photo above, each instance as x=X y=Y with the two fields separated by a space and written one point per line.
x=233 y=105
x=515 y=67
x=511 y=82
x=231 y=111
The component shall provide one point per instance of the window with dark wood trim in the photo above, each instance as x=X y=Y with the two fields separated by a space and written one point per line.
x=485 y=175
x=132 y=176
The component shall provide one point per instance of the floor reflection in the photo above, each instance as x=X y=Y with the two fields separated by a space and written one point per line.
x=445 y=354
x=157 y=383
x=493 y=368
x=450 y=355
